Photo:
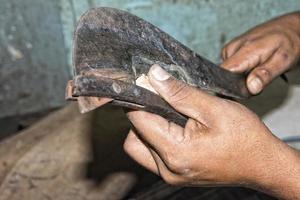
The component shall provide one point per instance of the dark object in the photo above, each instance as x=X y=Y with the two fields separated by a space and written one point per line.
x=124 y=93
x=284 y=78
x=162 y=191
x=113 y=47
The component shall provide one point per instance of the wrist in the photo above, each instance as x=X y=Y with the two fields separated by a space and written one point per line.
x=280 y=173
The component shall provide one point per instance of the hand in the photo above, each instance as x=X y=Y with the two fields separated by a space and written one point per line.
x=223 y=143
x=265 y=51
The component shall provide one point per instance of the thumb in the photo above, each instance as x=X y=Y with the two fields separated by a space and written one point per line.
x=186 y=99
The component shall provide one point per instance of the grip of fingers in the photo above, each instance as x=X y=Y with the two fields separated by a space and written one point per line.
x=258 y=79
x=167 y=86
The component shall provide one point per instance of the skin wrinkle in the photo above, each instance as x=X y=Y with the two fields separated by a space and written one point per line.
x=180 y=166
x=282 y=35
x=236 y=44
x=268 y=66
x=263 y=74
x=223 y=142
x=178 y=95
x=255 y=59
x=173 y=128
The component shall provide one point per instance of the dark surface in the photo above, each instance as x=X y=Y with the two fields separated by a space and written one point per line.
x=162 y=191
x=127 y=95
x=10 y=126
x=111 y=38
x=112 y=48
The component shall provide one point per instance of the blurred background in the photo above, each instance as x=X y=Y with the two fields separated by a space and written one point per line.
x=36 y=62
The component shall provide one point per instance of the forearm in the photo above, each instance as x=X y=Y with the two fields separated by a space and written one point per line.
x=281 y=174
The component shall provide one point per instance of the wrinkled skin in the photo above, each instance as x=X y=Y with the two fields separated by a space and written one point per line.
x=223 y=143
x=266 y=51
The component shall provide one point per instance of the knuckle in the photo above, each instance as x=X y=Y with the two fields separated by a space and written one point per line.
x=178 y=92
x=249 y=46
x=194 y=127
x=176 y=164
x=282 y=38
x=289 y=48
x=252 y=60
x=247 y=42
x=264 y=74
x=284 y=55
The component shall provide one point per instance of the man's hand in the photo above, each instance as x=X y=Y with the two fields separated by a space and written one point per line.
x=267 y=50
x=223 y=143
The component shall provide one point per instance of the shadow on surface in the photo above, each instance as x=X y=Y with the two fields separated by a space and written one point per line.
x=274 y=96
x=109 y=128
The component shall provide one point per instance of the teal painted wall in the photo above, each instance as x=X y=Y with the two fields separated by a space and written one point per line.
x=203 y=25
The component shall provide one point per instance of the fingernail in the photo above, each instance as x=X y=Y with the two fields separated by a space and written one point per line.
x=232 y=69
x=228 y=67
x=159 y=73
x=255 y=85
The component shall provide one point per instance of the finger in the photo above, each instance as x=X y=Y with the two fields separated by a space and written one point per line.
x=261 y=76
x=149 y=158
x=156 y=131
x=188 y=100
x=251 y=55
x=231 y=48
x=165 y=172
x=138 y=151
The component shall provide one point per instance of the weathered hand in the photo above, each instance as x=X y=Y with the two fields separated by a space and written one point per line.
x=222 y=143
x=267 y=50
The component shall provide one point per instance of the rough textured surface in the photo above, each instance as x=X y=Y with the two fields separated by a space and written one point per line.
x=126 y=95
x=60 y=157
x=118 y=42
x=108 y=38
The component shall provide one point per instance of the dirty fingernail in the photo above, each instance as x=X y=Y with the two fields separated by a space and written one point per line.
x=255 y=85
x=159 y=73
x=231 y=68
